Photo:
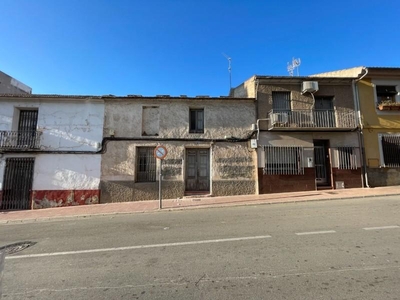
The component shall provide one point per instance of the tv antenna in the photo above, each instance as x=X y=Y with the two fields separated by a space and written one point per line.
x=294 y=65
x=229 y=69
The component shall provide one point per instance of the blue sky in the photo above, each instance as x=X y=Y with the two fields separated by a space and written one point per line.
x=174 y=47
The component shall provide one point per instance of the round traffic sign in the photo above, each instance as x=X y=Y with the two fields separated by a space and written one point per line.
x=160 y=152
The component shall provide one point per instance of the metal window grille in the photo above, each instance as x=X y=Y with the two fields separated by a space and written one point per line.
x=281 y=101
x=284 y=160
x=391 y=150
x=27 y=128
x=146 y=165
x=18 y=178
x=196 y=121
x=347 y=158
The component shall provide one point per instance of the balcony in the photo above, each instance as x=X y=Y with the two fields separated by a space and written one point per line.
x=20 y=140
x=312 y=120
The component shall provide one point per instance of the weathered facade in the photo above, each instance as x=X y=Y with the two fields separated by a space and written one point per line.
x=378 y=98
x=48 y=150
x=207 y=140
x=307 y=133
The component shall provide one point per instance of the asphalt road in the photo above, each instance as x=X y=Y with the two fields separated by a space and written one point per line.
x=347 y=249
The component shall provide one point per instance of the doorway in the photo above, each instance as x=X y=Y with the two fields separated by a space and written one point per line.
x=197 y=170
x=18 y=179
x=324 y=113
x=322 y=162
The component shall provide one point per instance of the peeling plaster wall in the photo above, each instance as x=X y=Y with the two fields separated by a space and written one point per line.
x=221 y=117
x=67 y=172
x=232 y=165
x=61 y=172
x=62 y=180
x=232 y=170
x=66 y=125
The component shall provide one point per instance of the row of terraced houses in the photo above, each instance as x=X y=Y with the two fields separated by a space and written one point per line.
x=271 y=134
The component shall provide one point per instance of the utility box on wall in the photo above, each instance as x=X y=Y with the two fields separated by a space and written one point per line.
x=253 y=144
x=339 y=185
x=310 y=162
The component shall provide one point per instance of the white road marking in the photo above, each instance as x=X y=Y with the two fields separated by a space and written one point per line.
x=315 y=232
x=141 y=247
x=381 y=227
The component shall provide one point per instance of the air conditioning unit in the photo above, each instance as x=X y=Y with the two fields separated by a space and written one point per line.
x=309 y=87
x=279 y=118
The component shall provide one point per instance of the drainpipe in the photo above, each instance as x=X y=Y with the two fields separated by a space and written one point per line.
x=360 y=128
x=256 y=94
x=258 y=127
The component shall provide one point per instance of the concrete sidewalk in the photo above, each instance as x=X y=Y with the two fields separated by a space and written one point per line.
x=189 y=203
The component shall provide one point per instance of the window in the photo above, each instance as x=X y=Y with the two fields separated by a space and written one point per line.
x=283 y=160
x=196 y=120
x=150 y=120
x=27 y=134
x=391 y=150
x=347 y=158
x=146 y=164
x=281 y=101
x=386 y=93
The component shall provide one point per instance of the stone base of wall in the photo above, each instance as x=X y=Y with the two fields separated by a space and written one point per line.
x=351 y=178
x=234 y=187
x=59 y=198
x=126 y=191
x=286 y=183
x=383 y=176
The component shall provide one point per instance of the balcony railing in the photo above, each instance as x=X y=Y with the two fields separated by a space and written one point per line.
x=20 y=140
x=312 y=119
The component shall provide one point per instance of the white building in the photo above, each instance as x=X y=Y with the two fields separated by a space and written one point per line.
x=49 y=150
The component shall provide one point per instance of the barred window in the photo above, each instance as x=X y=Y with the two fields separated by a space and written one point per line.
x=281 y=101
x=391 y=150
x=284 y=160
x=347 y=158
x=146 y=164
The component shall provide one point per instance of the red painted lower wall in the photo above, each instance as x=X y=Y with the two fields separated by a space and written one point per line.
x=286 y=183
x=351 y=178
x=59 y=198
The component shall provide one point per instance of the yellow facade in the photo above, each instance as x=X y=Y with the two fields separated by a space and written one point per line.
x=377 y=123
x=374 y=122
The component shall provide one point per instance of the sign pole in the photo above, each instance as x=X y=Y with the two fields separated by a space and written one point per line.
x=160 y=187
x=160 y=152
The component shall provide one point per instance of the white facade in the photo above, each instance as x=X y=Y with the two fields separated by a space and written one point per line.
x=67 y=125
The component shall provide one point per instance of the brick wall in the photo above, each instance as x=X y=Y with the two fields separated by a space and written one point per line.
x=351 y=178
x=286 y=183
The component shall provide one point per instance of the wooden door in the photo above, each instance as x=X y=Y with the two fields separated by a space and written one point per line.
x=198 y=170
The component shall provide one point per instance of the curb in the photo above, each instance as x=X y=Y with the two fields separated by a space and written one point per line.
x=215 y=205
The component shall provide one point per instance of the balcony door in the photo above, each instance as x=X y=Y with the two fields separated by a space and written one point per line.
x=324 y=114
x=27 y=127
